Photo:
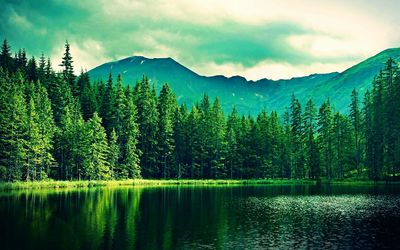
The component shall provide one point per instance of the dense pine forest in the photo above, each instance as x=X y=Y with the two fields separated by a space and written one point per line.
x=61 y=126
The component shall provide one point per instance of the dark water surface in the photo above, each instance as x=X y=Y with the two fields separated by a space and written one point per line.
x=245 y=217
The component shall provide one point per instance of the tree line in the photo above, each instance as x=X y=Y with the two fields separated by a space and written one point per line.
x=62 y=126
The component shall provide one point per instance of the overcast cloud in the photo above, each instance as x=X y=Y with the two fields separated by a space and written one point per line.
x=255 y=39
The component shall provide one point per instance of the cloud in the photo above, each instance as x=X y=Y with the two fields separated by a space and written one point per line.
x=256 y=38
x=272 y=70
x=89 y=53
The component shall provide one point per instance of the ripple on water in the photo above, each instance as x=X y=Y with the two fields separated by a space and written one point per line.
x=341 y=221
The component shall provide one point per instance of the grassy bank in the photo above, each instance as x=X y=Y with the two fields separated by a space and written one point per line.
x=154 y=183
x=143 y=183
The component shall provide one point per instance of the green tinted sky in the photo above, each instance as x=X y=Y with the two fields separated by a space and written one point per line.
x=256 y=39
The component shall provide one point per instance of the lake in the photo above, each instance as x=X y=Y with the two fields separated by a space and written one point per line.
x=206 y=217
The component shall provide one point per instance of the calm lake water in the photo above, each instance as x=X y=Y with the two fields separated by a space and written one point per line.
x=246 y=217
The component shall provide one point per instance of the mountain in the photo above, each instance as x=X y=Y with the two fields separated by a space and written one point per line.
x=248 y=96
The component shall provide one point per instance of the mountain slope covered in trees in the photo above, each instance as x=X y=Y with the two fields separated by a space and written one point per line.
x=62 y=126
x=248 y=96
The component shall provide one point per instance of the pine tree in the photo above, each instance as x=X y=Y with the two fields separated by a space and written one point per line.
x=167 y=106
x=114 y=154
x=355 y=116
x=181 y=139
x=33 y=142
x=311 y=147
x=390 y=109
x=325 y=137
x=129 y=141
x=31 y=70
x=342 y=144
x=41 y=70
x=86 y=96
x=368 y=131
x=148 y=127
x=217 y=138
x=107 y=107
x=46 y=132
x=264 y=145
x=21 y=61
x=276 y=145
x=68 y=69
x=194 y=143
x=313 y=158
x=287 y=149
x=5 y=57
x=13 y=127
x=297 y=137
x=233 y=161
x=377 y=128
x=72 y=143
x=95 y=165
x=205 y=137
x=119 y=107
x=244 y=146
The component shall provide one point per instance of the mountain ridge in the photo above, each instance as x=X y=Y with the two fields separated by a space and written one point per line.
x=249 y=96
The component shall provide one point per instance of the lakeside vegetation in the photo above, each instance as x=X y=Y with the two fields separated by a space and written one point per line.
x=64 y=127
x=144 y=183
x=53 y=184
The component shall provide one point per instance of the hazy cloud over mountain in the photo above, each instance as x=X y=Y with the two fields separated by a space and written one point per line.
x=255 y=39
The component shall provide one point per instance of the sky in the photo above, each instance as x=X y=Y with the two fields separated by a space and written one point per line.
x=252 y=38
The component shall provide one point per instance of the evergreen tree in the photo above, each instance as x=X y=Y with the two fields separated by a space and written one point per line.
x=6 y=61
x=21 y=61
x=167 y=106
x=355 y=116
x=72 y=143
x=181 y=138
x=297 y=137
x=276 y=147
x=313 y=160
x=86 y=96
x=107 y=106
x=13 y=127
x=41 y=70
x=377 y=157
x=264 y=144
x=114 y=154
x=68 y=69
x=119 y=107
x=342 y=144
x=233 y=161
x=195 y=146
x=390 y=112
x=33 y=142
x=368 y=131
x=129 y=141
x=325 y=137
x=95 y=165
x=148 y=127
x=217 y=139
x=46 y=132
x=244 y=146
x=31 y=70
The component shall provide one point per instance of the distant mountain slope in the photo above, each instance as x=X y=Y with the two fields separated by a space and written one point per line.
x=248 y=96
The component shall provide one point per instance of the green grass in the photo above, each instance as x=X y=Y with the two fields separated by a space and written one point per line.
x=143 y=183
x=4 y=186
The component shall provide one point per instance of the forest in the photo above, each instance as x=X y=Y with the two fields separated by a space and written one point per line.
x=56 y=125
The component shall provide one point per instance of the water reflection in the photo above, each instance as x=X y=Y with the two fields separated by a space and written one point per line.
x=202 y=217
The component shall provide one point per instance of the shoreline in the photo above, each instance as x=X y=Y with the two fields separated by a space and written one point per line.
x=51 y=184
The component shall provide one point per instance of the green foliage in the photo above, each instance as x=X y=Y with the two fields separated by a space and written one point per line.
x=167 y=107
x=146 y=103
x=55 y=126
x=95 y=164
x=68 y=69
